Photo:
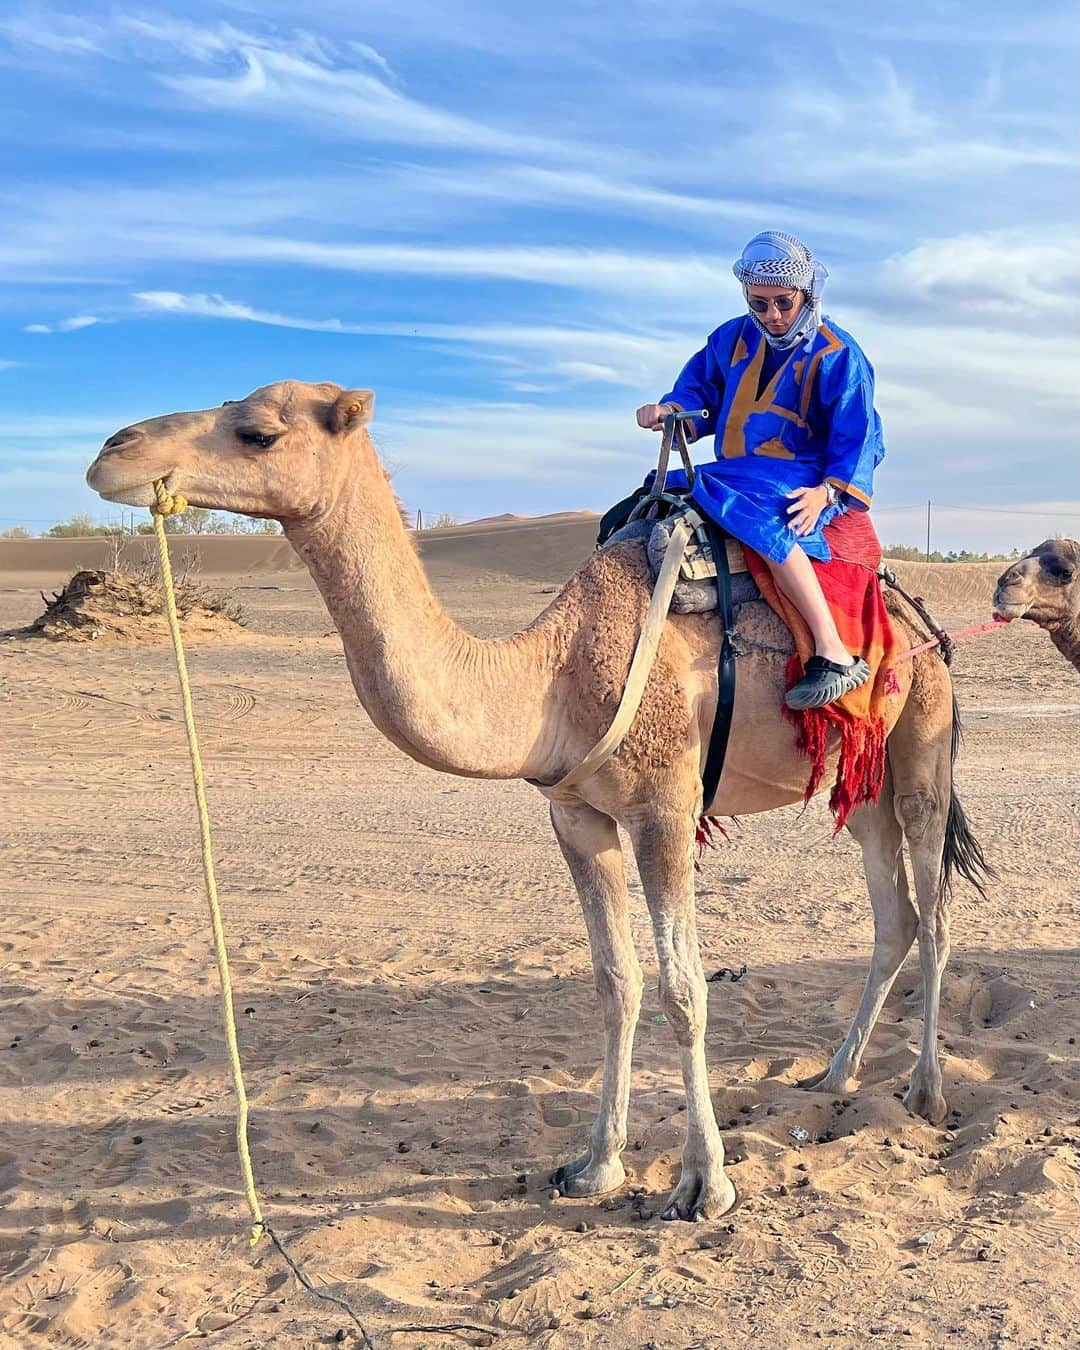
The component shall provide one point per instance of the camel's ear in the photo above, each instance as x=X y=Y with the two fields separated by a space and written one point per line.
x=1071 y=550
x=352 y=408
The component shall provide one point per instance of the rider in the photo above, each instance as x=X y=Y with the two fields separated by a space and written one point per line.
x=790 y=398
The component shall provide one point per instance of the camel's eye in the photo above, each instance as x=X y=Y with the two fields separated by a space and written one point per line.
x=1056 y=570
x=260 y=438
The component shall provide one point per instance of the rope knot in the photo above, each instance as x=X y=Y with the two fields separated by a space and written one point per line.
x=166 y=503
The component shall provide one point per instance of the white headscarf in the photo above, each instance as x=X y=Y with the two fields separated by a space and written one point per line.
x=773 y=258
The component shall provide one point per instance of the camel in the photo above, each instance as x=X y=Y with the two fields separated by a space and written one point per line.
x=531 y=706
x=1044 y=586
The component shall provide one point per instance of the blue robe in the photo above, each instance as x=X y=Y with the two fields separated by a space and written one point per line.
x=813 y=422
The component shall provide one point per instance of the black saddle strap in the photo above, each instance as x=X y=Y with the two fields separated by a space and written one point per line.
x=725 y=670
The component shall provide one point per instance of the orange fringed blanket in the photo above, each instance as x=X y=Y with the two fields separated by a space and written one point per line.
x=854 y=596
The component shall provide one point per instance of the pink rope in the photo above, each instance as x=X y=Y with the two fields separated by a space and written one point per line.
x=975 y=629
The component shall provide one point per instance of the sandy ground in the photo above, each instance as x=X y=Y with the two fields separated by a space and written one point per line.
x=421 y=1037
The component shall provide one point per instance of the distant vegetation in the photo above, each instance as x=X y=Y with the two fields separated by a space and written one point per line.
x=198 y=520
x=195 y=520
x=909 y=553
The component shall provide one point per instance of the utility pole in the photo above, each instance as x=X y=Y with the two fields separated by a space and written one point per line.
x=928 y=506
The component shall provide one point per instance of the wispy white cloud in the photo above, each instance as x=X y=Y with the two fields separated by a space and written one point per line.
x=577 y=354
x=1007 y=273
x=57 y=33
x=951 y=23
x=350 y=104
x=584 y=268
x=71 y=325
x=878 y=128
x=349 y=92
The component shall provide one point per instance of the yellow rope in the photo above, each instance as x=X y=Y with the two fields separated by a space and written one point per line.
x=168 y=505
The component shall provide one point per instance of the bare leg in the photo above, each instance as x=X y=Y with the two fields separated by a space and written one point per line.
x=590 y=845
x=664 y=849
x=795 y=577
x=878 y=832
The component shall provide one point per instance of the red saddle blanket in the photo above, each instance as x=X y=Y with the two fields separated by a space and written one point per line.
x=854 y=595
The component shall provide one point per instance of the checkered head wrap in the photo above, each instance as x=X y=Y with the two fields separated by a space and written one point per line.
x=773 y=258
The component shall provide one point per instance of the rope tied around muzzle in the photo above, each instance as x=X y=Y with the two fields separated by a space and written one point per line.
x=167 y=503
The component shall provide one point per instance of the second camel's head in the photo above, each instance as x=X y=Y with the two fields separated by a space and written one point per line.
x=1044 y=586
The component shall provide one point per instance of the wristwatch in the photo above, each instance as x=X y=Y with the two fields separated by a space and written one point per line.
x=831 y=494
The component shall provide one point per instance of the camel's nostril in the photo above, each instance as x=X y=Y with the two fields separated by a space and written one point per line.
x=122 y=438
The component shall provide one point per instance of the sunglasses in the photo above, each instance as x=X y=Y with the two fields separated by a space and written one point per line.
x=784 y=303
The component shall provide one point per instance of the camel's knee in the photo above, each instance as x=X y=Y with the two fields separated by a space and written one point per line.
x=684 y=1000
x=918 y=813
x=618 y=988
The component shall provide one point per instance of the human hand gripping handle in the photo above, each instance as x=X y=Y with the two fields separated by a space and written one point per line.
x=807 y=506
x=650 y=416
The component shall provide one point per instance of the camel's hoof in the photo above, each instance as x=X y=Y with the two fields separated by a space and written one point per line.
x=695 y=1199
x=825 y=1081
x=927 y=1102
x=584 y=1177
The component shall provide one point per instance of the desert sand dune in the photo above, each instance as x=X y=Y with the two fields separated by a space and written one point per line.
x=420 y=1032
x=538 y=548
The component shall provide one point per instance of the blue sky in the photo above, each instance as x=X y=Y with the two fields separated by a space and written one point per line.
x=516 y=222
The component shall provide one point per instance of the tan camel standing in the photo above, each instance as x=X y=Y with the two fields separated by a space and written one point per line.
x=1044 y=586
x=531 y=706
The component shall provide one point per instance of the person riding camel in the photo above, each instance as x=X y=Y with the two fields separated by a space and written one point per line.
x=790 y=398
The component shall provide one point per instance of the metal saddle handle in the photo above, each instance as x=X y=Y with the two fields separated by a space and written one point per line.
x=675 y=433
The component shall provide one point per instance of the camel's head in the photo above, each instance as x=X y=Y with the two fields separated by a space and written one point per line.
x=282 y=452
x=1043 y=586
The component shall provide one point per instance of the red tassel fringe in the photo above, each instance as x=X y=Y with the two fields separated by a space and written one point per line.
x=860 y=772
x=708 y=827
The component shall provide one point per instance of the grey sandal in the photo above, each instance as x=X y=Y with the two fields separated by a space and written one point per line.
x=825 y=681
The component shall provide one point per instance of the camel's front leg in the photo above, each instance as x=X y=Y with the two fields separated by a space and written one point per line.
x=590 y=845
x=664 y=847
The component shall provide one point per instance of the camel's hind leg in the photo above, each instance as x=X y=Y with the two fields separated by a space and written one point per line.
x=590 y=845
x=877 y=830
x=921 y=750
x=663 y=845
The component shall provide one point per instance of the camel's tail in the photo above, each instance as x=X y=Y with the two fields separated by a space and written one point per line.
x=963 y=853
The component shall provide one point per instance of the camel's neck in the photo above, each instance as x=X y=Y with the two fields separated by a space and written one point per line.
x=1066 y=638
x=450 y=700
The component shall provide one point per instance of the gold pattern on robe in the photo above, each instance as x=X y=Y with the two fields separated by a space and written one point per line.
x=832 y=344
x=774 y=449
x=747 y=401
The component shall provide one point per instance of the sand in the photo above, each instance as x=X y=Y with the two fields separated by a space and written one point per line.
x=420 y=1032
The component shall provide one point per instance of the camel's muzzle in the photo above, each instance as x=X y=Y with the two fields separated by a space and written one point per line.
x=117 y=476
x=1007 y=609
